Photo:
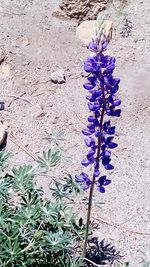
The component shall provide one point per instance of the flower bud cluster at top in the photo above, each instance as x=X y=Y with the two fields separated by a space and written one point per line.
x=102 y=103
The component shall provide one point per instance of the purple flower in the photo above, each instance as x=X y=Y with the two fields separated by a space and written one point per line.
x=87 y=131
x=85 y=162
x=98 y=46
x=91 y=64
x=88 y=86
x=84 y=179
x=89 y=141
x=93 y=46
x=92 y=119
x=91 y=153
x=102 y=103
x=101 y=183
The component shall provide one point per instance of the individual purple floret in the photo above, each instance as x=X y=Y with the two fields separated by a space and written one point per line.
x=102 y=182
x=83 y=178
x=102 y=103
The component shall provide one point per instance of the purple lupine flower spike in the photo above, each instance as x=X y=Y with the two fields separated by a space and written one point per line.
x=102 y=103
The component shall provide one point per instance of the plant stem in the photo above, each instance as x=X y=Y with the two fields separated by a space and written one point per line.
x=88 y=215
x=93 y=184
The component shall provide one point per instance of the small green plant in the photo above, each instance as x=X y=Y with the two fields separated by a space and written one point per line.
x=42 y=233
x=22 y=177
x=36 y=232
x=49 y=159
x=55 y=136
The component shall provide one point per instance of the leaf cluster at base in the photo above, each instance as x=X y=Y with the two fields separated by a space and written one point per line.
x=33 y=231
x=41 y=233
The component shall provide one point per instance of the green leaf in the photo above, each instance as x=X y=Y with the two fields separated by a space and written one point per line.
x=57 y=241
x=49 y=159
x=55 y=136
x=4 y=186
x=68 y=189
x=22 y=178
x=4 y=156
x=34 y=231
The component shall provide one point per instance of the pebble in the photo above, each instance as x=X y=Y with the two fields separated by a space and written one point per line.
x=2 y=56
x=3 y=136
x=58 y=76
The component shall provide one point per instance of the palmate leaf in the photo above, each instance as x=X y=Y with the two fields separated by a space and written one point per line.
x=5 y=214
x=22 y=177
x=55 y=136
x=57 y=241
x=71 y=186
x=68 y=189
x=49 y=159
x=66 y=158
x=59 y=215
x=51 y=210
x=4 y=186
x=28 y=215
x=58 y=191
x=29 y=211
x=12 y=248
x=31 y=198
x=53 y=213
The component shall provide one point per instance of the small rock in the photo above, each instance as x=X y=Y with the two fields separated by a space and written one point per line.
x=56 y=118
x=3 y=136
x=5 y=70
x=135 y=40
x=58 y=76
x=2 y=105
x=24 y=41
x=41 y=115
x=51 y=105
x=47 y=27
x=26 y=63
x=2 y=56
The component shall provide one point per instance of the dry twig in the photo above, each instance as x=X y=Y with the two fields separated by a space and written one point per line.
x=14 y=139
x=101 y=220
x=17 y=97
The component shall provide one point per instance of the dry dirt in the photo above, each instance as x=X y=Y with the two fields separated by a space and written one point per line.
x=35 y=44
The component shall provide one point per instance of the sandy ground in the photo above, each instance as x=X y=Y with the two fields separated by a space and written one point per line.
x=35 y=44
